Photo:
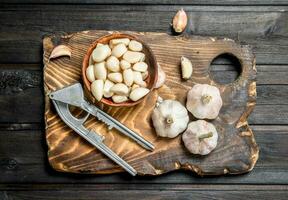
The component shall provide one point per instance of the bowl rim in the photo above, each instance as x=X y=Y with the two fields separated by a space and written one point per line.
x=85 y=64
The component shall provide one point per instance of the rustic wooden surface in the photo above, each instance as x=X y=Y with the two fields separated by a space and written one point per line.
x=237 y=151
x=25 y=172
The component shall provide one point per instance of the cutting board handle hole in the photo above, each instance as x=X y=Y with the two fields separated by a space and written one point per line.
x=225 y=68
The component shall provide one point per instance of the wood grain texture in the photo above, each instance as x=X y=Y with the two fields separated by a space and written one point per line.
x=68 y=152
x=165 y=191
x=23 y=81
x=264 y=27
x=149 y=2
x=29 y=163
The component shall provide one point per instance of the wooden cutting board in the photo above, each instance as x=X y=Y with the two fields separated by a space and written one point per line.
x=237 y=151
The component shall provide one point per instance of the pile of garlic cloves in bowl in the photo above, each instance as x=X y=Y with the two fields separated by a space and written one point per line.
x=119 y=70
x=170 y=118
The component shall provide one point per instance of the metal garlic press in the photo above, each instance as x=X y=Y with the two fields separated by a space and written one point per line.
x=73 y=95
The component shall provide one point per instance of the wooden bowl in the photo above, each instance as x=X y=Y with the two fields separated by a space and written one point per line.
x=149 y=59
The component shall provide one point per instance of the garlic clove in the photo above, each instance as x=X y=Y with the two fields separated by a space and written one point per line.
x=128 y=77
x=100 y=53
x=119 y=98
x=180 y=21
x=100 y=71
x=114 y=42
x=97 y=89
x=60 y=50
x=124 y=64
x=135 y=45
x=112 y=64
x=120 y=89
x=115 y=77
x=119 y=50
x=133 y=57
x=161 y=77
x=134 y=86
x=138 y=93
x=137 y=76
x=90 y=73
x=140 y=67
x=186 y=68
x=106 y=90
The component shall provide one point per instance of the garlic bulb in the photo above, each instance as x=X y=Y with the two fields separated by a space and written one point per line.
x=204 y=101
x=170 y=118
x=200 y=137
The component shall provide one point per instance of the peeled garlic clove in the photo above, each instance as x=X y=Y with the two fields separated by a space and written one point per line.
x=119 y=50
x=114 y=42
x=186 y=67
x=128 y=77
x=180 y=21
x=135 y=45
x=112 y=64
x=100 y=71
x=144 y=75
x=120 y=89
x=119 y=98
x=133 y=57
x=60 y=50
x=140 y=67
x=115 y=77
x=134 y=86
x=124 y=64
x=100 y=53
x=161 y=77
x=138 y=93
x=90 y=73
x=97 y=89
x=106 y=90
x=99 y=44
x=137 y=76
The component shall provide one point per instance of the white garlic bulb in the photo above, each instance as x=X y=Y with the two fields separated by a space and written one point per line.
x=200 y=137
x=170 y=118
x=204 y=101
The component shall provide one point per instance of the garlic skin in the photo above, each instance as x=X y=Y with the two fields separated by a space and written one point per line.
x=180 y=21
x=161 y=77
x=170 y=118
x=204 y=101
x=60 y=50
x=200 y=137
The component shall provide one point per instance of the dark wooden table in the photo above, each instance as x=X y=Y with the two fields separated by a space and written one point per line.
x=24 y=170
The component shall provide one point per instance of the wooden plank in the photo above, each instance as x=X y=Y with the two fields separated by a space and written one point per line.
x=21 y=97
x=29 y=162
x=21 y=94
x=141 y=186
x=266 y=74
x=111 y=192
x=149 y=2
x=262 y=27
